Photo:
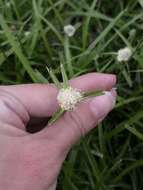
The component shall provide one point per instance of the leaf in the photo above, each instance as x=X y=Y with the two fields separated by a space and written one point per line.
x=135 y=132
x=54 y=78
x=86 y=24
x=141 y=2
x=40 y=77
x=17 y=49
x=136 y=164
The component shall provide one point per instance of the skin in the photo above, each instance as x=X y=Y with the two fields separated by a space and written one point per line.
x=33 y=161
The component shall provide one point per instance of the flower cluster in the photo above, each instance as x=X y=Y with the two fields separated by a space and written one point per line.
x=8 y=4
x=124 y=54
x=27 y=33
x=68 y=98
x=69 y=30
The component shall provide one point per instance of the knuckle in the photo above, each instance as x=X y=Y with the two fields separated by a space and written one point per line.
x=13 y=105
x=6 y=98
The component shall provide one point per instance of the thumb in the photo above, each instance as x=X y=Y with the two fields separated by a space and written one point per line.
x=74 y=124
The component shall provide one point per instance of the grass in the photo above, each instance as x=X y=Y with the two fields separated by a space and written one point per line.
x=111 y=156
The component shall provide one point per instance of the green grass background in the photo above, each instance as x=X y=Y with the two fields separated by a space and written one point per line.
x=111 y=156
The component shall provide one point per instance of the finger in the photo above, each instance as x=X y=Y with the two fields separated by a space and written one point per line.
x=72 y=125
x=40 y=99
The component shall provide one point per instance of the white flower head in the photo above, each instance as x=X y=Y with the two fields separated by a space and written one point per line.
x=27 y=33
x=69 y=30
x=8 y=4
x=68 y=98
x=124 y=54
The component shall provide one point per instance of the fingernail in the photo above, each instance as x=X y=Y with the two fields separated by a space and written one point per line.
x=112 y=95
x=115 y=88
x=102 y=105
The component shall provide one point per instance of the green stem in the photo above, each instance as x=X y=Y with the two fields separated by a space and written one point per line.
x=56 y=116
x=60 y=112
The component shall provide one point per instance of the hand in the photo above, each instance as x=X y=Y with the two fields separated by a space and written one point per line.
x=33 y=161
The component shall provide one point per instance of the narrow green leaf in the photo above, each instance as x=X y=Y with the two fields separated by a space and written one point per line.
x=93 y=94
x=134 y=131
x=141 y=2
x=120 y=127
x=52 y=27
x=105 y=32
x=17 y=49
x=86 y=24
x=127 y=77
x=138 y=163
x=128 y=101
x=40 y=77
x=54 y=78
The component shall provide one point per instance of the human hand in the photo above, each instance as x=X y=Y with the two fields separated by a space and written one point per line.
x=33 y=161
